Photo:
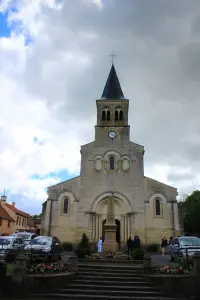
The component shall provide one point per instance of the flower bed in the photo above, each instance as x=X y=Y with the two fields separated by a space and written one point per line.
x=47 y=268
x=108 y=256
x=168 y=270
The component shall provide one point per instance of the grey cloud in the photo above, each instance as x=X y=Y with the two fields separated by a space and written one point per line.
x=158 y=67
x=173 y=177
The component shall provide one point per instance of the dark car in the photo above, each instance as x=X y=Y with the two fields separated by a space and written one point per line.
x=10 y=247
x=44 y=247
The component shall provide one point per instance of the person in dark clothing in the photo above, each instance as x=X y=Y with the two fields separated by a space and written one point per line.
x=136 y=242
x=164 y=245
x=130 y=245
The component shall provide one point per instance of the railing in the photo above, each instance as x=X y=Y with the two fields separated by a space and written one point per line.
x=186 y=251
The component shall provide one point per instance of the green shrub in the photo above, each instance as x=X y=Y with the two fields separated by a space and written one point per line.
x=138 y=254
x=83 y=248
x=152 y=248
x=182 y=261
x=67 y=246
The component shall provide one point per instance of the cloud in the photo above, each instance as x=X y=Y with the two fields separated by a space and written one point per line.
x=49 y=86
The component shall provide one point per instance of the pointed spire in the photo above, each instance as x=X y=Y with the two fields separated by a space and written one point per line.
x=112 y=89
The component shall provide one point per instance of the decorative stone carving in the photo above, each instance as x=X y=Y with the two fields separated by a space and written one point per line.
x=98 y=164
x=125 y=165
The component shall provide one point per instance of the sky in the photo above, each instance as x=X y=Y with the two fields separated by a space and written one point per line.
x=54 y=62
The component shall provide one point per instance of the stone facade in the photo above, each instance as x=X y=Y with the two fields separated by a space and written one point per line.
x=111 y=165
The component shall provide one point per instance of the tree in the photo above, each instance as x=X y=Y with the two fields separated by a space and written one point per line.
x=36 y=217
x=191 y=214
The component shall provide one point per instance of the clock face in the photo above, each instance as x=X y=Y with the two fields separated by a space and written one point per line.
x=112 y=134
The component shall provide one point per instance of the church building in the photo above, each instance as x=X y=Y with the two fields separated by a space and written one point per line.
x=111 y=166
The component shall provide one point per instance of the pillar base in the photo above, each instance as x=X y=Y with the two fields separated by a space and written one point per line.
x=110 y=244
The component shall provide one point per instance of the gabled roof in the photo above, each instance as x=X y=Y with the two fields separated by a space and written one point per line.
x=112 y=89
x=17 y=211
x=4 y=214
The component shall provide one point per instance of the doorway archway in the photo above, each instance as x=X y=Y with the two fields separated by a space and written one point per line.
x=117 y=222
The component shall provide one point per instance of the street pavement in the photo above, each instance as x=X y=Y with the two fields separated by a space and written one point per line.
x=160 y=259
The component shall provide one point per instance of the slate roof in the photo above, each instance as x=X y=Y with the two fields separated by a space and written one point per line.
x=112 y=89
x=4 y=214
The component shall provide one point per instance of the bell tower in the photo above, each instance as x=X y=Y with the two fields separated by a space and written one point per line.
x=112 y=112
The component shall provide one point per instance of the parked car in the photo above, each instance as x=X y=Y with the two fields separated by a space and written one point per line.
x=182 y=245
x=44 y=247
x=10 y=247
x=27 y=237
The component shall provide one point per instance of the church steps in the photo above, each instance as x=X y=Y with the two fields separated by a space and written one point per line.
x=106 y=282
x=112 y=267
x=109 y=281
x=107 y=273
x=111 y=292
x=110 y=278
x=95 y=286
x=124 y=262
x=83 y=296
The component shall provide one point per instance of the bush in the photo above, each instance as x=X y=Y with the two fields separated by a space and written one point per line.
x=67 y=246
x=138 y=254
x=182 y=261
x=83 y=248
x=153 y=248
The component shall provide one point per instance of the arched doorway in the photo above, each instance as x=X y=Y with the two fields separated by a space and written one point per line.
x=117 y=222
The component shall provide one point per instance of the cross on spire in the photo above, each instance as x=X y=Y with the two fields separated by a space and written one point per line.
x=112 y=55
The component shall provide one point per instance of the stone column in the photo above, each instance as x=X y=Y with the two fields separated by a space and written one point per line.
x=100 y=227
x=121 y=229
x=129 y=225
x=97 y=227
x=93 y=227
x=125 y=228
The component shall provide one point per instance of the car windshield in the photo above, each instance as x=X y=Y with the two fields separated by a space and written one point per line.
x=5 y=241
x=41 y=240
x=23 y=236
x=190 y=241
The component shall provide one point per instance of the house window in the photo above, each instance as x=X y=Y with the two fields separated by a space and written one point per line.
x=65 y=206
x=111 y=163
x=158 y=210
x=0 y=222
x=8 y=224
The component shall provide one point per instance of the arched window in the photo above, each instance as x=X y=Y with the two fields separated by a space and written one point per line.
x=116 y=115
x=111 y=163
x=121 y=117
x=108 y=115
x=65 y=206
x=157 y=204
x=103 y=115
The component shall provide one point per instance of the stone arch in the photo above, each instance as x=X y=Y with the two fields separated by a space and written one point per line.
x=68 y=193
x=119 y=199
x=158 y=200
x=157 y=195
x=62 y=198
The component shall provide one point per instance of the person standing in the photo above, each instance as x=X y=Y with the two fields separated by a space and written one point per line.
x=129 y=245
x=100 y=243
x=163 y=246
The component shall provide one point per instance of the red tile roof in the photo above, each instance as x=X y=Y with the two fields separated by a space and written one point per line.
x=17 y=211
x=4 y=215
